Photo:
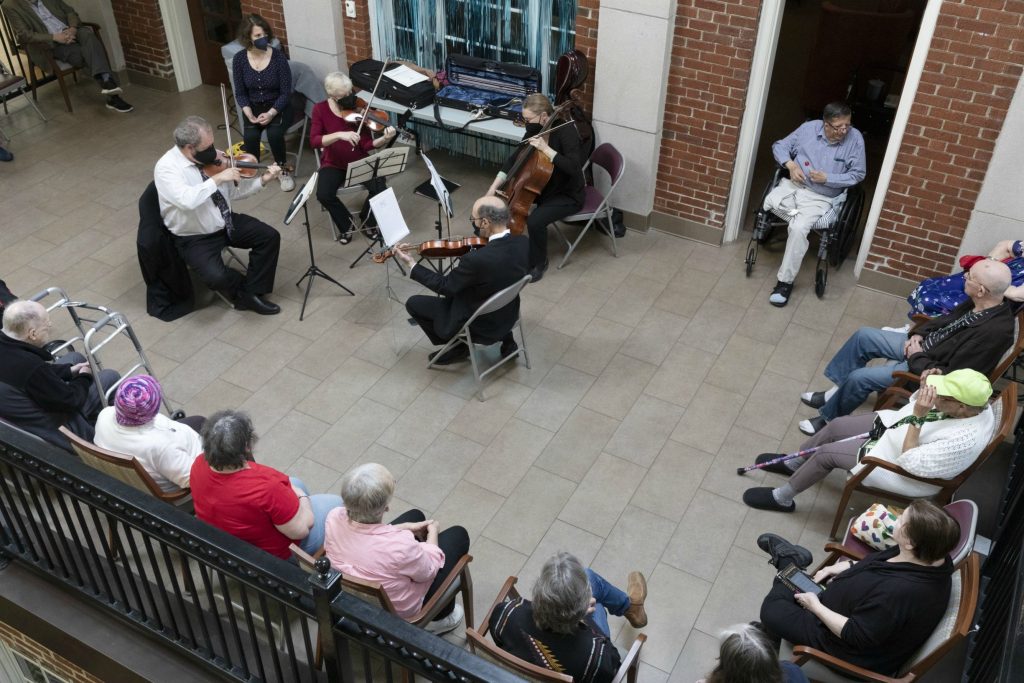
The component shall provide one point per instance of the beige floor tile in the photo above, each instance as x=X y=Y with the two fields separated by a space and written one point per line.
x=680 y=375
x=529 y=510
x=619 y=386
x=710 y=259
x=434 y=475
x=595 y=346
x=654 y=336
x=636 y=543
x=218 y=395
x=708 y=418
x=420 y=423
x=559 y=537
x=193 y=332
x=316 y=477
x=575 y=310
x=631 y=300
x=705 y=535
x=278 y=396
x=767 y=410
x=326 y=354
x=286 y=441
x=685 y=293
x=599 y=499
x=350 y=436
x=400 y=386
x=738 y=591
x=672 y=479
x=249 y=331
x=545 y=347
x=607 y=274
x=822 y=314
x=697 y=659
x=492 y=564
x=336 y=394
x=482 y=420
x=712 y=325
x=469 y=506
x=504 y=462
x=556 y=397
x=273 y=354
x=195 y=372
x=740 y=448
x=798 y=351
x=576 y=445
x=765 y=322
x=675 y=599
x=644 y=430
x=740 y=364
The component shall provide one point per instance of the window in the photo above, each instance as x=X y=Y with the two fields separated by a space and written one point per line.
x=520 y=31
x=15 y=667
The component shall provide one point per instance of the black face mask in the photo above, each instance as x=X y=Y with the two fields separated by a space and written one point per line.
x=476 y=228
x=205 y=156
x=347 y=102
x=532 y=129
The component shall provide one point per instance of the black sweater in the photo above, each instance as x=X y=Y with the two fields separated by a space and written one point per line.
x=567 y=178
x=51 y=386
x=977 y=346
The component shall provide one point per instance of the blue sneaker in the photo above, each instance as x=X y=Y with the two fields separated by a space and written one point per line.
x=5 y=155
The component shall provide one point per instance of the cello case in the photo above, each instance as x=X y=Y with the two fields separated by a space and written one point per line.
x=570 y=74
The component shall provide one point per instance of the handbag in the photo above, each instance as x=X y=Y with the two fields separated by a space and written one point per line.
x=876 y=525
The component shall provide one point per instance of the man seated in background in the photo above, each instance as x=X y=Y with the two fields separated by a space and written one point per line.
x=40 y=25
x=975 y=335
x=40 y=395
x=135 y=426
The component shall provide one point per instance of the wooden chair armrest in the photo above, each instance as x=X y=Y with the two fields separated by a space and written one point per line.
x=431 y=605
x=631 y=662
x=801 y=653
x=896 y=469
x=306 y=561
x=917 y=320
x=506 y=588
x=887 y=399
x=903 y=377
x=840 y=549
x=491 y=651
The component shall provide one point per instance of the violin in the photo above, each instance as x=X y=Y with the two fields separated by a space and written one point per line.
x=374 y=119
x=247 y=164
x=455 y=246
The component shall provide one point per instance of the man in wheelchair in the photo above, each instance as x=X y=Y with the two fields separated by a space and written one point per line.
x=823 y=158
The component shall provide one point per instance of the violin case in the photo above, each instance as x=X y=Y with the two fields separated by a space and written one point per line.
x=364 y=75
x=496 y=88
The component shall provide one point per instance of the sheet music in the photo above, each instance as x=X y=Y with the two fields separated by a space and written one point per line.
x=389 y=217
x=405 y=76
x=439 y=186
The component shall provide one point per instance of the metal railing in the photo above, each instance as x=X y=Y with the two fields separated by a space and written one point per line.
x=241 y=613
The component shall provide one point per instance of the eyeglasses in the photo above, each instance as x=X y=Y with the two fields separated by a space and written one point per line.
x=838 y=129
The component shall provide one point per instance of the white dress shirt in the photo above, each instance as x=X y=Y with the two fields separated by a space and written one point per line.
x=185 y=198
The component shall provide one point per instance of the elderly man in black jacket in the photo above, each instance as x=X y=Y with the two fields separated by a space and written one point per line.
x=479 y=275
x=974 y=336
x=36 y=394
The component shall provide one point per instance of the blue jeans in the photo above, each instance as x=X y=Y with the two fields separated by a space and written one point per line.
x=609 y=599
x=322 y=503
x=855 y=381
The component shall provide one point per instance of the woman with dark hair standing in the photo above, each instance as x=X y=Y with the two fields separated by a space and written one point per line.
x=263 y=86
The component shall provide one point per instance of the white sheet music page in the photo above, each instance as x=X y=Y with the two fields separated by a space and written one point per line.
x=439 y=188
x=389 y=217
x=405 y=76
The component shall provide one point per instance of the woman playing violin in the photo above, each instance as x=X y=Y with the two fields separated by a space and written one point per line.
x=263 y=88
x=334 y=132
x=563 y=194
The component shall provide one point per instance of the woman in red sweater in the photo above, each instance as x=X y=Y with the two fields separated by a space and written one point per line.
x=340 y=145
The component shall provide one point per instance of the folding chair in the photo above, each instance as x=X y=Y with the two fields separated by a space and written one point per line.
x=596 y=204
x=12 y=86
x=497 y=301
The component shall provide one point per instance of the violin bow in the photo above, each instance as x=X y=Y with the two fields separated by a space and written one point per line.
x=227 y=124
x=380 y=76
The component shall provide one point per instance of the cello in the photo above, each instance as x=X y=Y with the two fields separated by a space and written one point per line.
x=529 y=173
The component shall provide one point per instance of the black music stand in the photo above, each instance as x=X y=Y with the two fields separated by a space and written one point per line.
x=387 y=162
x=313 y=271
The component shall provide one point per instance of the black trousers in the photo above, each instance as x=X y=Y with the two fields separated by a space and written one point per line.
x=203 y=254
x=454 y=543
x=543 y=215
x=85 y=51
x=426 y=309
x=276 y=129
x=327 y=184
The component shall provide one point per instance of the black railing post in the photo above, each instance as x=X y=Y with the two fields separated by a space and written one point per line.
x=326 y=584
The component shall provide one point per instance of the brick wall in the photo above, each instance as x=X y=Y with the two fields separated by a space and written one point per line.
x=34 y=652
x=142 y=37
x=712 y=50
x=969 y=79
x=587 y=12
x=273 y=12
x=357 y=33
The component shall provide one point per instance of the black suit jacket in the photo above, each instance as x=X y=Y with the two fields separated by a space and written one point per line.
x=479 y=275
x=168 y=286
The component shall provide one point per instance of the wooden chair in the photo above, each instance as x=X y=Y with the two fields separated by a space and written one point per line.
x=951 y=631
x=458 y=581
x=965 y=512
x=904 y=382
x=50 y=64
x=480 y=645
x=1004 y=409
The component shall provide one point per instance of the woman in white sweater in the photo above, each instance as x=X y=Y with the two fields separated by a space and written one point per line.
x=943 y=429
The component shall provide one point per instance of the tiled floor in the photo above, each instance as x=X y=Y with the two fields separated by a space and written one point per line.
x=654 y=375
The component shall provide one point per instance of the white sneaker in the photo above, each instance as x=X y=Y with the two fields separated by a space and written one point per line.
x=448 y=623
x=904 y=329
x=287 y=182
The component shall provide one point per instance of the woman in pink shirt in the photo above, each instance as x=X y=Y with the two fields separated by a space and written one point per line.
x=409 y=557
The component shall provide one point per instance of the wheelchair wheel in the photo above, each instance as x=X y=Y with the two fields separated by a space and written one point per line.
x=751 y=256
x=847 y=230
x=821 y=279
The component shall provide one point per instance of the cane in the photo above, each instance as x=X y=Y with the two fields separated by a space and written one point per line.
x=799 y=454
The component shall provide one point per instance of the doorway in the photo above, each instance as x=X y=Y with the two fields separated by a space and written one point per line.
x=847 y=50
x=214 y=23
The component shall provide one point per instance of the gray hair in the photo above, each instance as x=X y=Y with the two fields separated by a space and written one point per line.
x=20 y=317
x=336 y=83
x=746 y=656
x=367 y=490
x=561 y=595
x=496 y=212
x=836 y=110
x=228 y=437
x=190 y=131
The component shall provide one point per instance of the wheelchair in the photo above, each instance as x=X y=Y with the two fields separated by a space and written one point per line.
x=836 y=229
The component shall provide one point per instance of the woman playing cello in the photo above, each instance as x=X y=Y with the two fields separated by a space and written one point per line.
x=563 y=194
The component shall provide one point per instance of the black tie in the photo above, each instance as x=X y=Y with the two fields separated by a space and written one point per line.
x=221 y=204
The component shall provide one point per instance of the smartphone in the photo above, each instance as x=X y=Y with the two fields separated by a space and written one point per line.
x=799 y=581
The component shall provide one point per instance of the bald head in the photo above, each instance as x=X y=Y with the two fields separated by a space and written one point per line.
x=993 y=275
x=27 y=321
x=490 y=214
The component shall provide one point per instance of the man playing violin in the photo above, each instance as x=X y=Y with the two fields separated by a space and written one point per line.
x=563 y=194
x=333 y=131
x=479 y=275
x=196 y=208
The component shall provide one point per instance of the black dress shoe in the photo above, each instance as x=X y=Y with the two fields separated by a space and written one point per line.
x=783 y=552
x=251 y=302
x=777 y=468
x=508 y=347
x=538 y=272
x=456 y=354
x=761 y=498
